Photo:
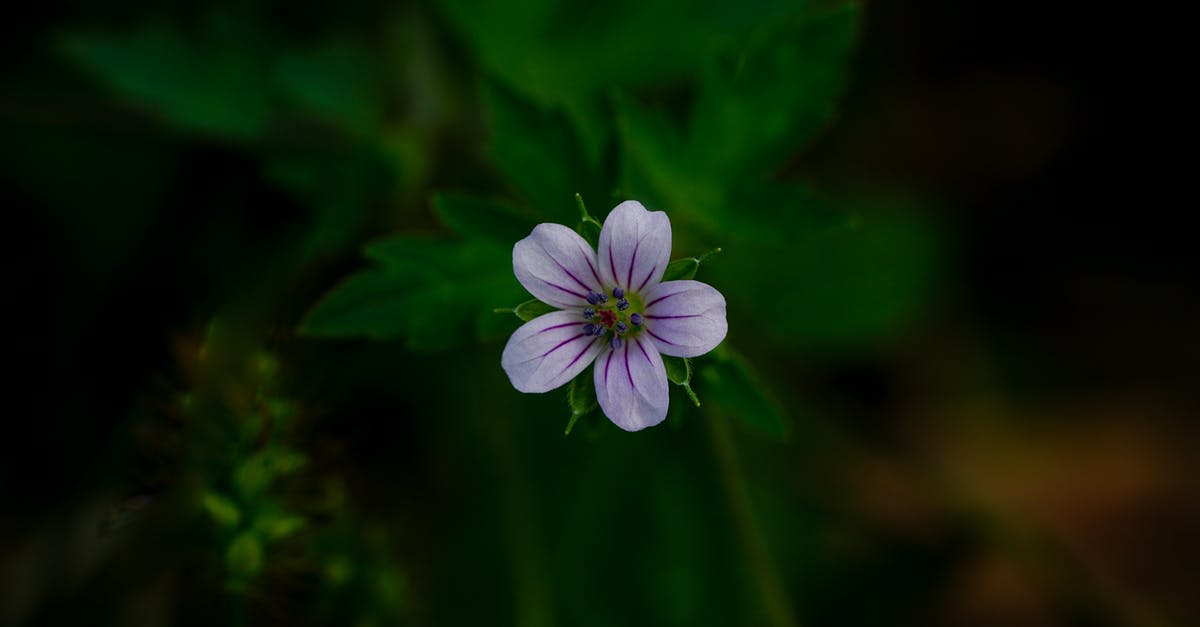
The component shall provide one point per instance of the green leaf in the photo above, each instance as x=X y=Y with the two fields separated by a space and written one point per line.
x=773 y=92
x=679 y=372
x=581 y=397
x=531 y=309
x=730 y=384
x=474 y=216
x=276 y=525
x=686 y=268
x=244 y=556
x=337 y=81
x=222 y=509
x=213 y=83
x=540 y=152
x=429 y=292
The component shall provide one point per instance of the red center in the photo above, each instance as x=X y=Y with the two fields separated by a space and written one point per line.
x=608 y=318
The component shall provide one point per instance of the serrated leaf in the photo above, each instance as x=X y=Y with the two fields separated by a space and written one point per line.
x=581 y=397
x=429 y=292
x=730 y=383
x=475 y=216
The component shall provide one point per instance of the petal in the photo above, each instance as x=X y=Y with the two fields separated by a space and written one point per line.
x=685 y=318
x=556 y=265
x=631 y=385
x=635 y=246
x=548 y=351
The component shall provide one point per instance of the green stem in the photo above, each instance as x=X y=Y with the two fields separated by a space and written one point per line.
x=770 y=587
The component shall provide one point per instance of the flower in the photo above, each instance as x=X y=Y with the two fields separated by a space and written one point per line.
x=615 y=311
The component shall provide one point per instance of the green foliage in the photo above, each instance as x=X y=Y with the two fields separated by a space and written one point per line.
x=429 y=292
x=211 y=81
x=680 y=269
x=732 y=385
x=679 y=372
x=486 y=218
x=581 y=398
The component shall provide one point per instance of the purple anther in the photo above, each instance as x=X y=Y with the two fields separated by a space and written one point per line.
x=636 y=319
x=618 y=292
x=603 y=297
x=622 y=304
x=615 y=342
x=621 y=327
x=599 y=330
x=593 y=298
x=589 y=312
x=589 y=329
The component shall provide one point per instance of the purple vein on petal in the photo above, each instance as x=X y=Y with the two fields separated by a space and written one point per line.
x=632 y=262
x=628 y=372
x=643 y=349
x=559 y=287
x=649 y=317
x=570 y=274
x=612 y=265
x=585 y=349
x=647 y=279
x=659 y=338
x=559 y=326
x=661 y=298
x=588 y=259
x=607 y=363
x=562 y=343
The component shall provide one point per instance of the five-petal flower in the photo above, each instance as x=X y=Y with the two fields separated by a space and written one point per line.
x=615 y=311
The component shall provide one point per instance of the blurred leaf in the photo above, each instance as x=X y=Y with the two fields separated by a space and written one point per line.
x=244 y=556
x=222 y=510
x=731 y=385
x=474 y=216
x=338 y=82
x=539 y=151
x=429 y=292
x=341 y=190
x=278 y=525
x=766 y=99
x=581 y=397
x=214 y=82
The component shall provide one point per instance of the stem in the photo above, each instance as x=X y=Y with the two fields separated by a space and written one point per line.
x=770 y=587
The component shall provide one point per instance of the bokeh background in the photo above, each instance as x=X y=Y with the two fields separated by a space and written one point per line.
x=256 y=249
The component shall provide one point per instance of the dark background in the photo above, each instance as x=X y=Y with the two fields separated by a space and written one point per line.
x=1014 y=448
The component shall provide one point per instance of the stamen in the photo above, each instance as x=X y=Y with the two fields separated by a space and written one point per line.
x=599 y=331
x=589 y=312
x=621 y=327
x=615 y=342
x=589 y=329
x=593 y=298
x=603 y=297
x=618 y=292
x=622 y=304
x=636 y=319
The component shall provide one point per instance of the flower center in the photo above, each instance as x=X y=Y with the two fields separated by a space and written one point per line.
x=620 y=316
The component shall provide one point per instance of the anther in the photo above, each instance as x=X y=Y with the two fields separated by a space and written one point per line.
x=622 y=304
x=589 y=329
x=603 y=298
x=599 y=331
x=618 y=292
x=621 y=327
x=589 y=312
x=615 y=342
x=636 y=319
x=593 y=298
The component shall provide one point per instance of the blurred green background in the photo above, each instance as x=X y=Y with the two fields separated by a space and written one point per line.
x=256 y=248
